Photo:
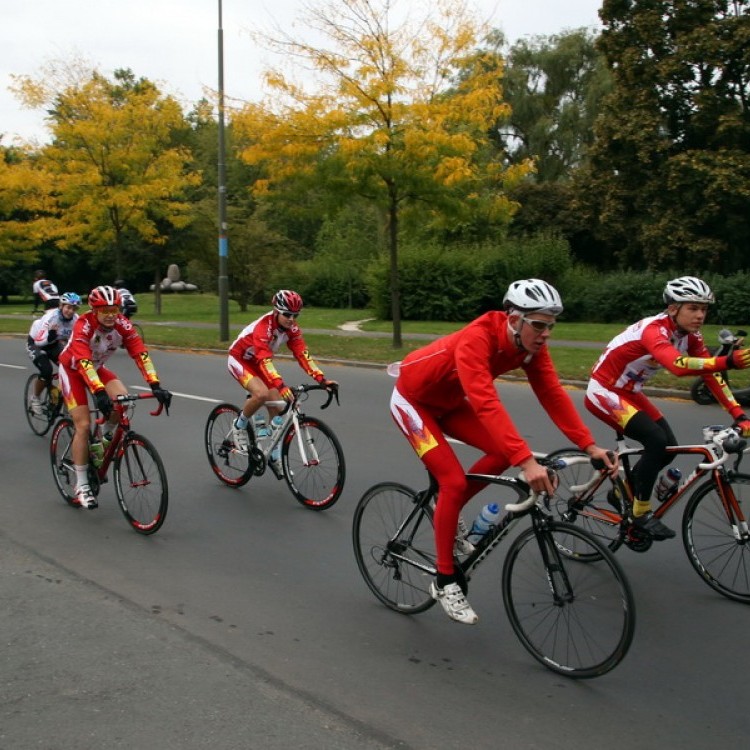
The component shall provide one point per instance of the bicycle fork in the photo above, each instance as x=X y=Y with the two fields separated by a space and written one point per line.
x=557 y=577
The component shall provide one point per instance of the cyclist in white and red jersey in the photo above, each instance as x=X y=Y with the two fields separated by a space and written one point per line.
x=46 y=340
x=97 y=335
x=251 y=362
x=446 y=389
x=671 y=340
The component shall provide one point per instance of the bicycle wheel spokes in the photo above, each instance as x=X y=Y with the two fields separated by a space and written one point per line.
x=577 y=620
x=141 y=484
x=396 y=556
x=314 y=466
x=39 y=422
x=592 y=508
x=716 y=537
x=62 y=459
x=231 y=465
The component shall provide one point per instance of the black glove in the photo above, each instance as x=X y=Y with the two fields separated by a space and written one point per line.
x=103 y=402
x=163 y=396
x=51 y=336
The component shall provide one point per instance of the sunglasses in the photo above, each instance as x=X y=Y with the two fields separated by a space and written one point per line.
x=289 y=315
x=538 y=325
x=113 y=310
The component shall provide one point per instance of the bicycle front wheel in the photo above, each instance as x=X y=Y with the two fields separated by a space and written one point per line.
x=716 y=540
x=61 y=456
x=42 y=420
x=141 y=484
x=394 y=546
x=313 y=464
x=230 y=464
x=586 y=500
x=576 y=619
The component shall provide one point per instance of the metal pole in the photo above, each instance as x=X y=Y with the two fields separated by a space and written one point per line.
x=223 y=241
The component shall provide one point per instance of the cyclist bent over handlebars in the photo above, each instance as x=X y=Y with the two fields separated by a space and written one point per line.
x=447 y=389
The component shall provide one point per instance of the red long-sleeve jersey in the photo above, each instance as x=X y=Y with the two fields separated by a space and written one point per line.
x=90 y=346
x=464 y=365
x=261 y=339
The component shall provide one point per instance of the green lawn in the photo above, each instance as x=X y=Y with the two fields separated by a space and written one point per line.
x=573 y=362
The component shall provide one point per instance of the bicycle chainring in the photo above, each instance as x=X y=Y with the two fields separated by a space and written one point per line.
x=257 y=461
x=638 y=541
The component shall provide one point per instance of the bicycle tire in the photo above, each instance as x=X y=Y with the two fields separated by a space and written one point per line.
x=232 y=466
x=580 y=637
x=700 y=393
x=319 y=484
x=598 y=516
x=141 y=484
x=714 y=541
x=62 y=460
x=39 y=423
x=398 y=571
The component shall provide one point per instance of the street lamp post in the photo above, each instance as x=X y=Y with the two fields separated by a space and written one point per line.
x=223 y=241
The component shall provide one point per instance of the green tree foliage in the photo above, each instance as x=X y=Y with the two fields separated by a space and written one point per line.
x=400 y=118
x=669 y=177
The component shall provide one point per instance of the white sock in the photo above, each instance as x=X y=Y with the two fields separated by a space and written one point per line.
x=82 y=475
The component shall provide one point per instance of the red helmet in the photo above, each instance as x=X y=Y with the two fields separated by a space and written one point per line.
x=287 y=301
x=104 y=296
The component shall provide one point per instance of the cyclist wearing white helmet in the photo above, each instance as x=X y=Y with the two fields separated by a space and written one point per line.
x=447 y=390
x=670 y=340
x=47 y=338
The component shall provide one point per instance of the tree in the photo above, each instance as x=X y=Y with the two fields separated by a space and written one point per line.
x=400 y=118
x=669 y=179
x=112 y=166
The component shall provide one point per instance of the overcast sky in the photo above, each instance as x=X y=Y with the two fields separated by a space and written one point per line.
x=174 y=42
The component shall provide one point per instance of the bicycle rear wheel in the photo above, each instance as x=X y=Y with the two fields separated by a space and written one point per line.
x=716 y=541
x=394 y=546
x=576 y=619
x=231 y=465
x=141 y=484
x=595 y=509
x=62 y=459
x=39 y=423
x=315 y=472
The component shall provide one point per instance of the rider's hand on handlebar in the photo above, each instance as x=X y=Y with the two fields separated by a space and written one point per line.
x=162 y=395
x=537 y=476
x=610 y=459
x=329 y=383
x=739 y=358
x=103 y=402
x=742 y=425
x=286 y=393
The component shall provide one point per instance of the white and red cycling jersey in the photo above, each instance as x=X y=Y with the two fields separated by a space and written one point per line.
x=45 y=290
x=256 y=344
x=634 y=356
x=90 y=346
x=50 y=330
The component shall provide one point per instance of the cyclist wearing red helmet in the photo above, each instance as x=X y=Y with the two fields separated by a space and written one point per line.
x=96 y=336
x=251 y=362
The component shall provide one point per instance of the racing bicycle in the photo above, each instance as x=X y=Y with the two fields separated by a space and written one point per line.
x=311 y=458
x=139 y=477
x=576 y=619
x=715 y=531
x=51 y=402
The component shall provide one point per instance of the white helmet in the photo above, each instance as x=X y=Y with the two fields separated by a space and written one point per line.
x=533 y=295
x=687 y=289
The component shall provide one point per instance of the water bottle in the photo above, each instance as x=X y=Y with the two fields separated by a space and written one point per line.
x=488 y=516
x=54 y=395
x=276 y=423
x=261 y=428
x=96 y=452
x=667 y=483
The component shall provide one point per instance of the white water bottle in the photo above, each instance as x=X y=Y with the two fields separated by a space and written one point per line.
x=488 y=516
x=667 y=484
x=276 y=423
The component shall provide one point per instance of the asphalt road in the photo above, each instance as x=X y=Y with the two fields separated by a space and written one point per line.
x=244 y=623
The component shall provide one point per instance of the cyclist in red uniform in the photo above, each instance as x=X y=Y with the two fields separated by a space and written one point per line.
x=446 y=389
x=251 y=363
x=670 y=340
x=96 y=336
